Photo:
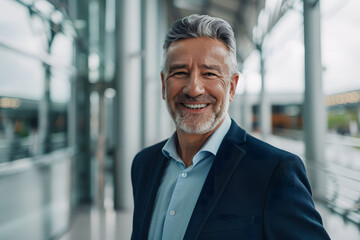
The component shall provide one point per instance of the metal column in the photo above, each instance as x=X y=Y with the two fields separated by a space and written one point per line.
x=128 y=97
x=315 y=122
x=151 y=81
x=101 y=142
x=165 y=124
x=245 y=111
x=265 y=106
x=81 y=93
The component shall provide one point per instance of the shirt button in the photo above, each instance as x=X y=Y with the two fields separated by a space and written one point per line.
x=184 y=174
x=172 y=212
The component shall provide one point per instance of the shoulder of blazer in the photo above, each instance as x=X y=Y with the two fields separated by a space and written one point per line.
x=147 y=162
x=147 y=155
x=252 y=145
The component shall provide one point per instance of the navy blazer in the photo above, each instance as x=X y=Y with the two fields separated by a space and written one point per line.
x=253 y=191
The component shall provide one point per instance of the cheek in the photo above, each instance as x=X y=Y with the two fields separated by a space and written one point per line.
x=219 y=92
x=173 y=88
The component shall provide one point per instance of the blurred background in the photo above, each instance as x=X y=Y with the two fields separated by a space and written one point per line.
x=80 y=95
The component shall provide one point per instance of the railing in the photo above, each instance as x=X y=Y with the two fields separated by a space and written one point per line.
x=25 y=147
x=36 y=196
x=338 y=179
x=340 y=190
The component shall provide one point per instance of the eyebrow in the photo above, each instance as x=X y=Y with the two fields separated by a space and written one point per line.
x=212 y=67
x=177 y=66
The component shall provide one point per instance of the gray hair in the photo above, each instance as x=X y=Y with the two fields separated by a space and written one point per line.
x=195 y=26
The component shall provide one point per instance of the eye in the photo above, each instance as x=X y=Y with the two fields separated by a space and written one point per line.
x=210 y=74
x=180 y=74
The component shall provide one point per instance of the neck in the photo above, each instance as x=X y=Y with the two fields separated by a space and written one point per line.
x=189 y=144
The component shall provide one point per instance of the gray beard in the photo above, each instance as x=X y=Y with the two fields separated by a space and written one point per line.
x=197 y=127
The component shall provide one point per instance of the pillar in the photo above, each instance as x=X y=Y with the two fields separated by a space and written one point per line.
x=314 y=114
x=128 y=97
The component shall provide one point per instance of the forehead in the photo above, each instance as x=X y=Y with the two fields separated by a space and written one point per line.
x=197 y=51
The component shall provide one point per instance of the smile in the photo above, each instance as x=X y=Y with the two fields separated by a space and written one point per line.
x=194 y=106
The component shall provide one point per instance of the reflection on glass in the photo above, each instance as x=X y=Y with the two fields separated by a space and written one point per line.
x=27 y=32
x=59 y=86
x=35 y=74
x=18 y=128
x=20 y=76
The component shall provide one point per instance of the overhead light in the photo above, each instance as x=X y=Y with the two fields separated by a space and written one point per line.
x=344 y=98
x=44 y=7
x=94 y=61
x=28 y=2
x=10 y=102
x=57 y=17
x=110 y=93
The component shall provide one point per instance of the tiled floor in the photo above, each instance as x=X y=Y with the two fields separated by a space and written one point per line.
x=94 y=224
x=336 y=227
x=91 y=223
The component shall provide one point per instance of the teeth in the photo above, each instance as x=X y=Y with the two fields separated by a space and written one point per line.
x=195 y=106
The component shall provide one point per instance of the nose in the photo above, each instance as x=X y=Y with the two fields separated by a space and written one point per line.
x=194 y=85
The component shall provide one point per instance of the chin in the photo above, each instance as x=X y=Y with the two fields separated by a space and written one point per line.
x=196 y=126
x=197 y=129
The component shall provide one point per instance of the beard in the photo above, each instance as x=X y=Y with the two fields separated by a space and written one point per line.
x=198 y=123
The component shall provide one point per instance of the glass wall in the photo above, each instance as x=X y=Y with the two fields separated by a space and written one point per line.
x=36 y=70
x=283 y=52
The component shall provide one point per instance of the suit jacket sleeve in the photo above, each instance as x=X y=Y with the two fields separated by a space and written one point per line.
x=135 y=187
x=289 y=211
x=146 y=172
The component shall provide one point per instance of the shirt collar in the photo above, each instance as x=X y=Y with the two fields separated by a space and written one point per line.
x=211 y=145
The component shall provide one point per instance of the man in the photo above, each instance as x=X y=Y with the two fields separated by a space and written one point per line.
x=210 y=179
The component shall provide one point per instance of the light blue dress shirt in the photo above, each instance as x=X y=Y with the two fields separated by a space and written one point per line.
x=180 y=187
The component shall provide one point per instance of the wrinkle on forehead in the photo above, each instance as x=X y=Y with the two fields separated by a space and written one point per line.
x=204 y=52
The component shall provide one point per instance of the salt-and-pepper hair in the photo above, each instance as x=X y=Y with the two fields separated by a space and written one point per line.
x=196 y=26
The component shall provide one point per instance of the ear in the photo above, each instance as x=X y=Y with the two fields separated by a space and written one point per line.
x=233 y=84
x=162 y=85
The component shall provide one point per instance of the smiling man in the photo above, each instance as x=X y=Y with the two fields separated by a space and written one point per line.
x=210 y=179
x=197 y=86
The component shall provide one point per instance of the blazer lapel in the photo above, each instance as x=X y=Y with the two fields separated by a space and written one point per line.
x=226 y=161
x=157 y=170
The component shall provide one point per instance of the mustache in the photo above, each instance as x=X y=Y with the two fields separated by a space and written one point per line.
x=184 y=98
